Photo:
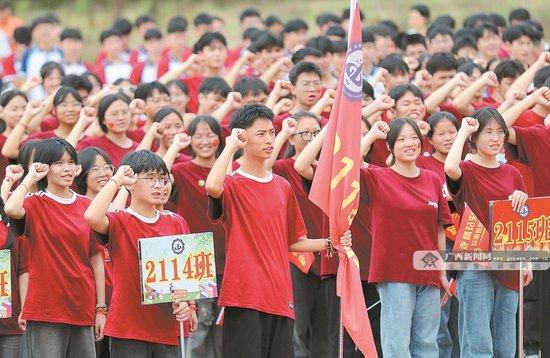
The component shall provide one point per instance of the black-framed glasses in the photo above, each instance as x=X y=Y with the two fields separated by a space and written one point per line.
x=307 y=135
x=163 y=181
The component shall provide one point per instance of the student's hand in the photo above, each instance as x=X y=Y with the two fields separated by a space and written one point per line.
x=237 y=139
x=490 y=79
x=328 y=97
x=379 y=130
x=108 y=89
x=247 y=58
x=345 y=239
x=22 y=322
x=193 y=321
x=125 y=175
x=381 y=76
x=542 y=96
x=88 y=116
x=527 y=277
x=462 y=80
x=514 y=97
x=284 y=64
x=469 y=124
x=137 y=107
x=100 y=320
x=283 y=106
x=156 y=131
x=33 y=108
x=543 y=60
x=15 y=172
x=289 y=126
x=518 y=198
x=422 y=78
x=38 y=171
x=424 y=128
x=193 y=64
x=32 y=82
x=445 y=288
x=181 y=310
x=181 y=141
x=282 y=88
x=234 y=100
x=384 y=103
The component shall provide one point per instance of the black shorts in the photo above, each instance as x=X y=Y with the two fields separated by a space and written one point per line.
x=253 y=334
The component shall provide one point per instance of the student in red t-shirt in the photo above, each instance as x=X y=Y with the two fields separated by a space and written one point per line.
x=179 y=95
x=114 y=117
x=410 y=298
x=263 y=222
x=136 y=330
x=64 y=280
x=156 y=96
x=14 y=103
x=488 y=300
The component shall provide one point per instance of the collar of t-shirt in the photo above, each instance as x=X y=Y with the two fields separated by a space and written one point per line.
x=144 y=218
x=61 y=200
x=255 y=178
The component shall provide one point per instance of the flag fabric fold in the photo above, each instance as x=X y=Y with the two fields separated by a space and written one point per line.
x=335 y=187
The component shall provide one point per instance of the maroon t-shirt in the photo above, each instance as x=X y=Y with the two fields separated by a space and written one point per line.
x=115 y=152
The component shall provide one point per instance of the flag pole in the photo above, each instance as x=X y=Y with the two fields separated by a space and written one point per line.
x=341 y=335
x=520 y=308
x=182 y=340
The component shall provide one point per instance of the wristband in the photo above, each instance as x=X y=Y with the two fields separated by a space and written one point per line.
x=24 y=185
x=102 y=309
x=114 y=181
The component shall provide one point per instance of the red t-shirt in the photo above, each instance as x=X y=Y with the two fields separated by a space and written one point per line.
x=314 y=218
x=4 y=162
x=49 y=123
x=128 y=318
x=479 y=185
x=115 y=152
x=533 y=146
x=487 y=102
x=41 y=135
x=193 y=84
x=19 y=265
x=448 y=107
x=191 y=201
x=61 y=278
x=529 y=118
x=262 y=219
x=406 y=214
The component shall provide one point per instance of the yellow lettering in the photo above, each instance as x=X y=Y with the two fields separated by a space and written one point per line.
x=348 y=166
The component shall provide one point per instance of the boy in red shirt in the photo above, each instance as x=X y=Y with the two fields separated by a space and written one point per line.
x=136 y=330
x=256 y=289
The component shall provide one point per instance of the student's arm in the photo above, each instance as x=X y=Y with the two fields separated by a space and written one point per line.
x=283 y=106
x=120 y=200
x=233 y=76
x=289 y=127
x=13 y=174
x=281 y=89
x=462 y=102
x=304 y=163
x=23 y=289
x=233 y=102
x=378 y=131
x=154 y=133
x=283 y=64
x=540 y=96
x=180 y=142
x=14 y=205
x=214 y=181
x=452 y=163
x=99 y=278
x=13 y=141
x=47 y=106
x=442 y=93
x=96 y=214
x=442 y=247
x=326 y=100
x=304 y=244
x=87 y=117
x=178 y=71
x=379 y=105
x=522 y=83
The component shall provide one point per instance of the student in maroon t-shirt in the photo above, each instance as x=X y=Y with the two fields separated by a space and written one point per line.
x=488 y=300
x=263 y=222
x=13 y=103
x=61 y=322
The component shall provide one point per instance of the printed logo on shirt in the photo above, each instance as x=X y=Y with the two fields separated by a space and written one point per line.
x=290 y=305
x=201 y=183
x=432 y=204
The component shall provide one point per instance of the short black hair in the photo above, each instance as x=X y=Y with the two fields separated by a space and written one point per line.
x=177 y=24
x=478 y=19
x=321 y=43
x=208 y=39
x=515 y=32
x=441 y=61
x=446 y=20
x=105 y=34
x=163 y=112
x=266 y=41
x=464 y=42
x=541 y=76
x=104 y=105
x=123 y=25
x=6 y=4
x=245 y=117
x=480 y=30
x=251 y=85
x=145 y=90
x=77 y=82
x=336 y=30
x=49 y=67
x=50 y=151
x=272 y=20
x=63 y=92
x=508 y=69
x=520 y=14
x=367 y=88
x=346 y=13
x=71 y=33
x=86 y=159
x=469 y=67
x=250 y=12
x=498 y=19
x=178 y=83
x=252 y=33
x=394 y=64
x=485 y=116
x=152 y=34
x=439 y=29
x=295 y=25
x=303 y=67
x=439 y=117
x=340 y=46
x=202 y=19
x=22 y=35
x=422 y=9
x=326 y=18
x=367 y=35
x=144 y=161
x=144 y=19
x=304 y=52
x=214 y=126
x=399 y=91
x=380 y=30
x=215 y=85
x=39 y=20
x=390 y=24
x=413 y=39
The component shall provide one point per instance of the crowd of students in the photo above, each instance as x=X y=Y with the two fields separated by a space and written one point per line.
x=163 y=138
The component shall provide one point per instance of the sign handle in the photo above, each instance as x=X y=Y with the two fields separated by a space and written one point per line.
x=520 y=308
x=182 y=340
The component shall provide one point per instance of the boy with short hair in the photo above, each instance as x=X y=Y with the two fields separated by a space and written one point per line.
x=488 y=41
x=71 y=44
x=148 y=70
x=212 y=47
x=259 y=308
x=143 y=24
x=440 y=38
x=112 y=67
x=156 y=97
x=203 y=24
x=176 y=50
x=518 y=42
x=295 y=35
x=398 y=73
x=137 y=330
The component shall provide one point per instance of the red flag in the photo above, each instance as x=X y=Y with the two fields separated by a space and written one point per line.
x=472 y=236
x=335 y=187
